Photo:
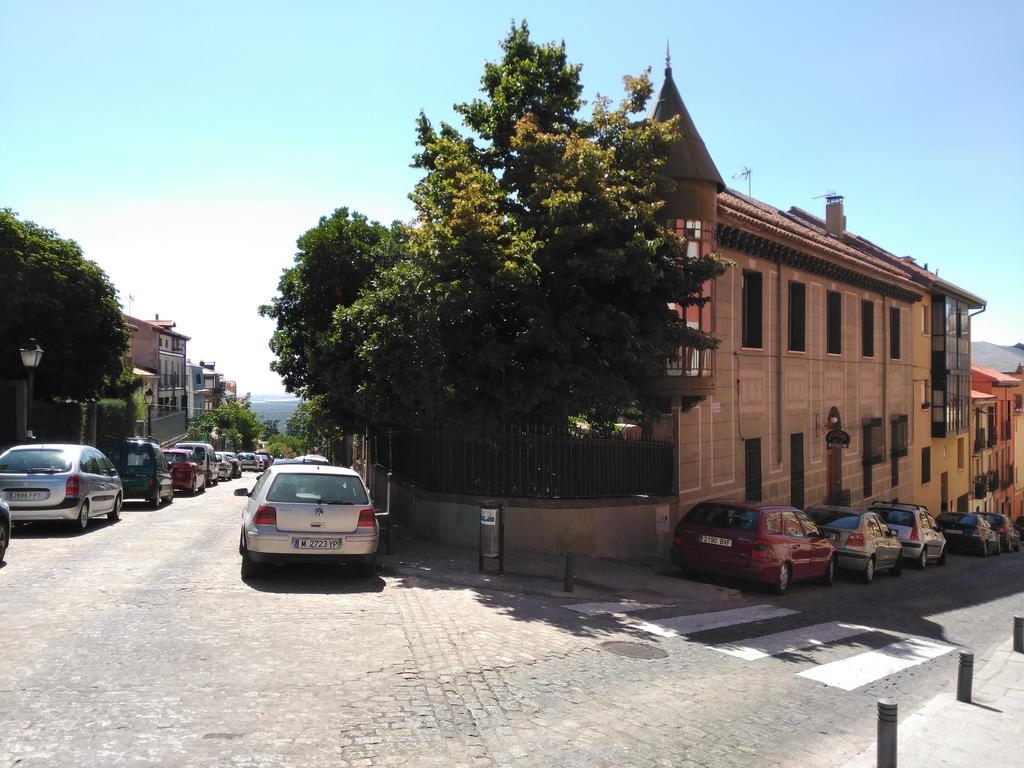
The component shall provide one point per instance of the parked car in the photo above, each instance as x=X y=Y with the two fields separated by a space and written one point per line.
x=261 y=463
x=236 y=465
x=144 y=471
x=307 y=513
x=920 y=537
x=5 y=528
x=186 y=473
x=968 y=532
x=57 y=481
x=249 y=461
x=223 y=467
x=309 y=458
x=769 y=544
x=1009 y=537
x=865 y=543
x=1019 y=525
x=267 y=458
x=206 y=456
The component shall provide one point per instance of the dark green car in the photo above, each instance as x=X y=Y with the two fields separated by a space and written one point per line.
x=144 y=471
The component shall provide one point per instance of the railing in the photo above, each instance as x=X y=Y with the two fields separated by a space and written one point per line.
x=1007 y=431
x=992 y=438
x=993 y=480
x=979 y=442
x=534 y=462
x=690 y=362
x=980 y=487
x=1007 y=475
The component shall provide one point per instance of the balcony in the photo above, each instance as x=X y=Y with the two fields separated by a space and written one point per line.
x=1007 y=475
x=688 y=375
x=980 y=487
x=993 y=481
x=1007 y=431
x=992 y=438
x=979 y=442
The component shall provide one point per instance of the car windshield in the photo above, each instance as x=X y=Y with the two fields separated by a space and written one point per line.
x=716 y=516
x=317 y=489
x=35 y=460
x=897 y=516
x=834 y=518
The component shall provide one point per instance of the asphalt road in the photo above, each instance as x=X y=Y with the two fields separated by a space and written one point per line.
x=136 y=643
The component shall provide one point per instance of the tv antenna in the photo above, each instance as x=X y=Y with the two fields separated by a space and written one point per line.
x=830 y=197
x=744 y=173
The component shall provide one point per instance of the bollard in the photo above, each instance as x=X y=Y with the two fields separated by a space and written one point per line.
x=887 y=722
x=1018 y=634
x=570 y=567
x=965 y=677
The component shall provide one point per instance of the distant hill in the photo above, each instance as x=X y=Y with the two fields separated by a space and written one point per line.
x=276 y=407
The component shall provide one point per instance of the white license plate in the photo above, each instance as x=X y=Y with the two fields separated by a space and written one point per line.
x=716 y=540
x=316 y=543
x=26 y=495
x=953 y=530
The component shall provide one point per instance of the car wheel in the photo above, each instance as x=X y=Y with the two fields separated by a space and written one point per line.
x=999 y=548
x=869 y=571
x=368 y=570
x=942 y=557
x=250 y=568
x=195 y=486
x=5 y=538
x=830 y=573
x=984 y=550
x=82 y=521
x=922 y=561
x=154 y=503
x=170 y=496
x=782 y=580
x=897 y=568
x=115 y=514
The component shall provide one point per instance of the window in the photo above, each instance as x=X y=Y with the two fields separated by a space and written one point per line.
x=797 y=317
x=317 y=489
x=900 y=437
x=751 y=309
x=791 y=526
x=894 y=333
x=692 y=234
x=926 y=465
x=926 y=327
x=925 y=389
x=834 y=323
x=752 y=468
x=960 y=450
x=873 y=453
x=867 y=328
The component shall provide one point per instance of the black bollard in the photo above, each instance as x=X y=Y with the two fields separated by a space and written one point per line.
x=1018 y=634
x=965 y=677
x=570 y=568
x=887 y=723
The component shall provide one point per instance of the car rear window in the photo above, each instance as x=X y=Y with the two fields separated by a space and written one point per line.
x=831 y=518
x=130 y=455
x=967 y=520
x=897 y=516
x=317 y=489
x=715 y=516
x=35 y=460
x=173 y=456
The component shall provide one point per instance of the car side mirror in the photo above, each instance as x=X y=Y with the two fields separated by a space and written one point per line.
x=242 y=492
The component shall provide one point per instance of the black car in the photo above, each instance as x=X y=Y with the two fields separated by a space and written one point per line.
x=5 y=528
x=1009 y=537
x=969 y=532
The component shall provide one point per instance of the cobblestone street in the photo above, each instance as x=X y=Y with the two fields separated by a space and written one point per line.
x=136 y=643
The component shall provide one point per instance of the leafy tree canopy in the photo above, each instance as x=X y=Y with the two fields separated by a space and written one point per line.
x=537 y=282
x=67 y=304
x=234 y=420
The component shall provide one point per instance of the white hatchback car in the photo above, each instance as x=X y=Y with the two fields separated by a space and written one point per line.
x=308 y=513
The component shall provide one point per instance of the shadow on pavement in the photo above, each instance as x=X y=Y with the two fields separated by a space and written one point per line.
x=314 y=580
x=56 y=529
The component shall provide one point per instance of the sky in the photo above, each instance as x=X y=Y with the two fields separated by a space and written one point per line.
x=186 y=145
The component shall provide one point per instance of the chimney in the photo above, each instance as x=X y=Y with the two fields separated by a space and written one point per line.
x=835 y=220
x=158 y=314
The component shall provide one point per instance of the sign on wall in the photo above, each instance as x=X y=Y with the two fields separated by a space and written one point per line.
x=837 y=438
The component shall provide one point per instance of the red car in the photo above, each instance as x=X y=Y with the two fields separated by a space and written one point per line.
x=186 y=473
x=267 y=458
x=766 y=543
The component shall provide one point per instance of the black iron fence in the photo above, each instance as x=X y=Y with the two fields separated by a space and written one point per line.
x=527 y=462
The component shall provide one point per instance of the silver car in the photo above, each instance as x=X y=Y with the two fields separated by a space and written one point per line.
x=919 y=535
x=59 y=482
x=5 y=528
x=865 y=543
x=249 y=461
x=307 y=513
x=223 y=467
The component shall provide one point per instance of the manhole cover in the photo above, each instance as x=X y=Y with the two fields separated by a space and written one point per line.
x=634 y=650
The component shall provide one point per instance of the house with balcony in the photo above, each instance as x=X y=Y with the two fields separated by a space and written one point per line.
x=214 y=386
x=159 y=353
x=984 y=480
x=999 y=419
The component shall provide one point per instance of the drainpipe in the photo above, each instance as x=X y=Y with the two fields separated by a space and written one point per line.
x=778 y=363
x=886 y=333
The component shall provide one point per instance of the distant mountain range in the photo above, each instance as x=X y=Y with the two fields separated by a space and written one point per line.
x=275 y=407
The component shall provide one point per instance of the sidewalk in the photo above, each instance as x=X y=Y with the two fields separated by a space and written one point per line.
x=945 y=732
x=597 y=579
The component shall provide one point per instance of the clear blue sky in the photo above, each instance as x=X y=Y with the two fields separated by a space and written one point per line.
x=186 y=145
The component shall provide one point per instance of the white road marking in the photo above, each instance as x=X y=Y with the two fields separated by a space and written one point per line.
x=791 y=640
x=865 y=668
x=700 y=622
x=596 y=609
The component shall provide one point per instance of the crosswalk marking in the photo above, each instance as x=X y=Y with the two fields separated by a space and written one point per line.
x=865 y=668
x=596 y=609
x=762 y=647
x=701 y=622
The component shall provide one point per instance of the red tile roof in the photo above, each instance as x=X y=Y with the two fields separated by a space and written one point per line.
x=999 y=379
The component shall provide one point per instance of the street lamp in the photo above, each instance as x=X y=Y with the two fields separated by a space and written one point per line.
x=150 y=400
x=31 y=356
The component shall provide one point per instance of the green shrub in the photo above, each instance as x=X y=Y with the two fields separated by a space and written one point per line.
x=57 y=422
x=115 y=419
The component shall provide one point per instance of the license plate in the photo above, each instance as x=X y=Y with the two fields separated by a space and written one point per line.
x=316 y=543
x=26 y=495
x=953 y=530
x=716 y=540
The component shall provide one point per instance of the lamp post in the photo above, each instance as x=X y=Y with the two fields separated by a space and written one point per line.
x=150 y=400
x=31 y=356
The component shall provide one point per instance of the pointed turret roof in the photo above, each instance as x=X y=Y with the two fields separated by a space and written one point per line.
x=689 y=158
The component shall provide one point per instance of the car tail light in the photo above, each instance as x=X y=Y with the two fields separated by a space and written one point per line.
x=1003 y=530
x=265 y=516
x=976 y=532
x=855 y=540
x=366 y=518
x=914 y=535
x=760 y=548
x=72 y=487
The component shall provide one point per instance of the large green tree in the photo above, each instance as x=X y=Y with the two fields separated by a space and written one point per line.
x=66 y=303
x=537 y=280
x=234 y=420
